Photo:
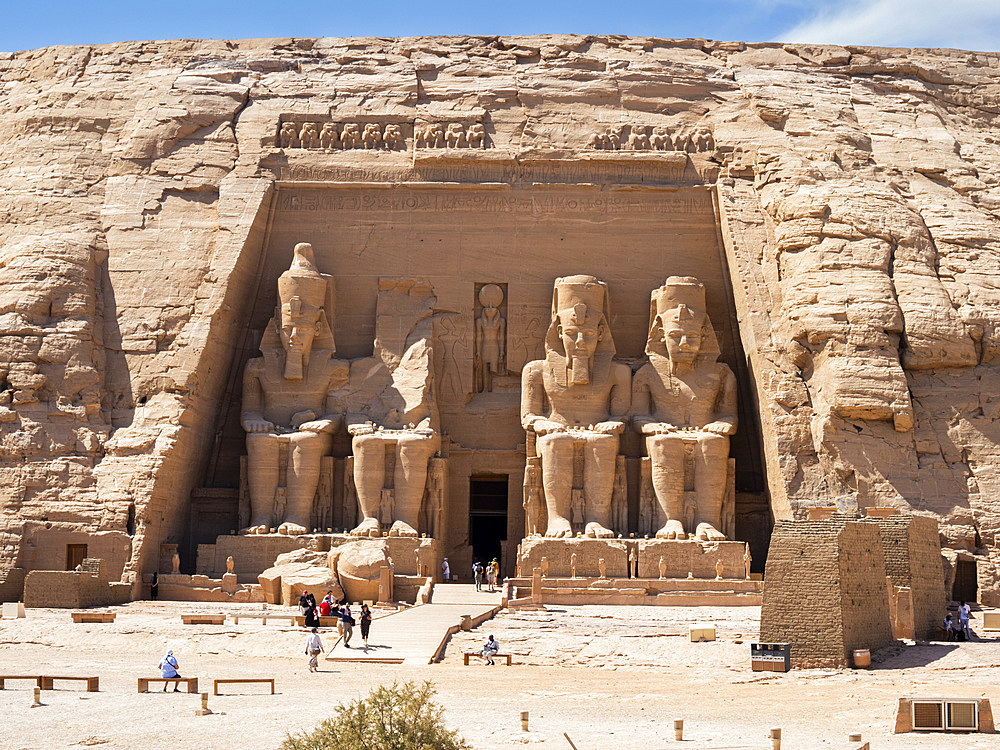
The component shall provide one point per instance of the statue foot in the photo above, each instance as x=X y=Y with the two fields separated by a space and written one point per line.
x=595 y=530
x=706 y=532
x=559 y=529
x=291 y=528
x=368 y=527
x=401 y=528
x=671 y=530
x=256 y=527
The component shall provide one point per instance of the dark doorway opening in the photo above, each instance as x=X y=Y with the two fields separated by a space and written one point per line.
x=75 y=553
x=487 y=518
x=966 y=586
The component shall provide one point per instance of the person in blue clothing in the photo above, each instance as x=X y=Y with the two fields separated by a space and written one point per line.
x=168 y=671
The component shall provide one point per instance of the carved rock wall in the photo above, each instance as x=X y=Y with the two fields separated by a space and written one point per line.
x=858 y=193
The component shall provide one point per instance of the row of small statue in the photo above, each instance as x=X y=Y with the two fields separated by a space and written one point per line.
x=633 y=566
x=644 y=138
x=372 y=136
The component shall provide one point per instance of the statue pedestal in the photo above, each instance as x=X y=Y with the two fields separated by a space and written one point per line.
x=699 y=559
x=588 y=551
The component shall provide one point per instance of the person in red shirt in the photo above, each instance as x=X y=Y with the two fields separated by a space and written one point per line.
x=326 y=605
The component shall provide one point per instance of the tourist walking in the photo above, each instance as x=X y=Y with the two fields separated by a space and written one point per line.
x=477 y=574
x=490 y=649
x=314 y=647
x=366 y=623
x=348 y=625
x=168 y=671
x=964 y=613
x=491 y=576
x=154 y=587
x=445 y=570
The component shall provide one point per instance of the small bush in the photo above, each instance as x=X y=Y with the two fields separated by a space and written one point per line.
x=390 y=718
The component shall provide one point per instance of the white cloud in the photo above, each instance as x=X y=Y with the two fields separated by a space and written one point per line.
x=961 y=24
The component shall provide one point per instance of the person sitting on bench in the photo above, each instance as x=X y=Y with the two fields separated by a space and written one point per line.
x=168 y=671
x=490 y=650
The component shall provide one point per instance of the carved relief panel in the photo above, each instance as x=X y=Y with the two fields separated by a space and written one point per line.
x=490 y=335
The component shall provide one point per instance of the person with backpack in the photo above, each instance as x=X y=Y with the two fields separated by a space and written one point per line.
x=477 y=574
x=348 y=625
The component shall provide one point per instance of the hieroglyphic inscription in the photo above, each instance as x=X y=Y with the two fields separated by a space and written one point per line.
x=447 y=200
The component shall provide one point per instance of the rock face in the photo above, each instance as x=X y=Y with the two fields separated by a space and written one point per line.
x=856 y=192
x=298 y=571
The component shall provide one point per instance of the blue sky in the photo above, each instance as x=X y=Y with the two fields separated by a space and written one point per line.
x=966 y=24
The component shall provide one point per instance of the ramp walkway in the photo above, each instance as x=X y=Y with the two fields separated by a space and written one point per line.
x=417 y=635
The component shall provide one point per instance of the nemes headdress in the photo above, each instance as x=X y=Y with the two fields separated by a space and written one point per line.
x=582 y=300
x=304 y=295
x=681 y=300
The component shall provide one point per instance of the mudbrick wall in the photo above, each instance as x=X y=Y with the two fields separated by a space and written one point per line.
x=825 y=591
x=857 y=193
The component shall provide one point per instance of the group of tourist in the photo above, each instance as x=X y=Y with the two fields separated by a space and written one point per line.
x=491 y=574
x=328 y=607
x=962 y=631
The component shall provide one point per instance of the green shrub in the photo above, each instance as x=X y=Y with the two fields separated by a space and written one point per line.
x=390 y=718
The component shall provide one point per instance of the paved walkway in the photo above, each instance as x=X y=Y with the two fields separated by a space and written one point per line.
x=415 y=635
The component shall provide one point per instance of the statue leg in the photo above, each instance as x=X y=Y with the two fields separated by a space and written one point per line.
x=410 y=480
x=666 y=453
x=305 y=455
x=556 y=450
x=711 y=456
x=369 y=476
x=599 y=454
x=262 y=476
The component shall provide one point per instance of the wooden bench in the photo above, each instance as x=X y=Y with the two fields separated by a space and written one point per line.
x=192 y=682
x=34 y=677
x=93 y=616
x=325 y=621
x=206 y=619
x=235 y=680
x=263 y=618
x=45 y=682
x=479 y=654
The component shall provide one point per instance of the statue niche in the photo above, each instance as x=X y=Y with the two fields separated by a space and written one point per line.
x=287 y=413
x=574 y=404
x=684 y=402
x=491 y=338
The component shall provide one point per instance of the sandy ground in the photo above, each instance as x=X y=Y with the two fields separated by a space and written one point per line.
x=609 y=676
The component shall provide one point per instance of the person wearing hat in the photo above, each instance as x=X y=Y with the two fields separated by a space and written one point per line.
x=168 y=671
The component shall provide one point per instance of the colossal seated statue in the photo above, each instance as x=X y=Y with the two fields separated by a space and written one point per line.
x=574 y=402
x=391 y=412
x=684 y=402
x=286 y=400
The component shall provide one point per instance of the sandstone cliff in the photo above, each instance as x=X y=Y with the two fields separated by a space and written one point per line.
x=857 y=191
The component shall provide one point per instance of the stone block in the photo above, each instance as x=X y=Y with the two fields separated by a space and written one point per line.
x=588 y=555
x=699 y=559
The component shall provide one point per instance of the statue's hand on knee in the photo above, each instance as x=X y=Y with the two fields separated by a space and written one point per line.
x=364 y=428
x=611 y=427
x=546 y=426
x=317 y=425
x=658 y=428
x=257 y=424
x=719 y=428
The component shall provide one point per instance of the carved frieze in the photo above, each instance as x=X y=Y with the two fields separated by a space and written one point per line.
x=342 y=136
x=649 y=138
x=450 y=135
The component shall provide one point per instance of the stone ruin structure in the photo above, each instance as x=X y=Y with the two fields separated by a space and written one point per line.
x=812 y=230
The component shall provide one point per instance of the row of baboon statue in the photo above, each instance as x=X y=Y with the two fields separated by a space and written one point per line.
x=646 y=138
x=310 y=135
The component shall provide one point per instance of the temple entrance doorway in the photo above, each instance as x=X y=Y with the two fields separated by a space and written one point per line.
x=487 y=517
x=966 y=586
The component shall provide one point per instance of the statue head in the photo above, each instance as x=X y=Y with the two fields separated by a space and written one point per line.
x=679 y=327
x=579 y=333
x=300 y=319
